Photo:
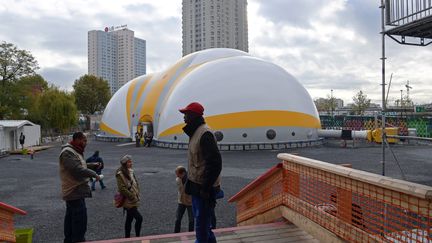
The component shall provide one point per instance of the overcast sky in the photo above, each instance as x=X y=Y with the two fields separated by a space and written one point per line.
x=325 y=44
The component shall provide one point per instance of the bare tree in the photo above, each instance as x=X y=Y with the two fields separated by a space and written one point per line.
x=361 y=103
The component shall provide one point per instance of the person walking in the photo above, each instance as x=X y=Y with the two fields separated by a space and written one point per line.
x=184 y=200
x=95 y=158
x=148 y=138
x=74 y=176
x=22 y=140
x=205 y=166
x=127 y=184
x=137 y=139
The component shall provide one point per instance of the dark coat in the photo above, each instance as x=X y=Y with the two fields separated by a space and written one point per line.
x=94 y=159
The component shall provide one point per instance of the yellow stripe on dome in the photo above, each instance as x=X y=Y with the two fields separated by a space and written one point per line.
x=129 y=100
x=253 y=119
x=106 y=128
x=149 y=105
x=183 y=74
x=180 y=77
x=141 y=91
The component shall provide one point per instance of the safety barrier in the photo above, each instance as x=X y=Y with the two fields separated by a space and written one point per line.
x=246 y=146
x=422 y=125
x=106 y=138
x=338 y=202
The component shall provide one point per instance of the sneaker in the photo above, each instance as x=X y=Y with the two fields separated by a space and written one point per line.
x=103 y=187
x=93 y=189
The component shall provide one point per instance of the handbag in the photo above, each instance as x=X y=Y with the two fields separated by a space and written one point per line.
x=119 y=200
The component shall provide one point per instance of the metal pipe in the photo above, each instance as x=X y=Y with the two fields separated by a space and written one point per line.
x=383 y=86
x=363 y=134
x=409 y=137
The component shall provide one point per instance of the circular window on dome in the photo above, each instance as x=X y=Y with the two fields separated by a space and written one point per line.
x=271 y=134
x=244 y=135
x=219 y=136
x=293 y=133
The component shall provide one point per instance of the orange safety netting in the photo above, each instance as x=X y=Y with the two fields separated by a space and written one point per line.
x=355 y=210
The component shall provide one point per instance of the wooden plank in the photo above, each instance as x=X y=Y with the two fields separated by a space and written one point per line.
x=270 y=234
x=301 y=238
x=309 y=226
x=264 y=238
x=284 y=231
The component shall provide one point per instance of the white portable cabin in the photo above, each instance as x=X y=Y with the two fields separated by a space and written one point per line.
x=11 y=131
x=2 y=140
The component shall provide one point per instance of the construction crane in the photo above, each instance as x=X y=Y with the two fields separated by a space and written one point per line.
x=388 y=90
x=408 y=87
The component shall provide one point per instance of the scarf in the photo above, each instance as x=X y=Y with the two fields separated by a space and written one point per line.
x=78 y=147
x=190 y=128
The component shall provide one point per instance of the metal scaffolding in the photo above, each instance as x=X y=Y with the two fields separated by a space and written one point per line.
x=409 y=18
x=403 y=18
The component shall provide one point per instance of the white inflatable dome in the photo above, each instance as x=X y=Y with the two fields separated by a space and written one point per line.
x=247 y=101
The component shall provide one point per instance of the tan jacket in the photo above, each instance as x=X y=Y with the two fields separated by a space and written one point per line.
x=74 y=174
x=196 y=161
x=129 y=189
x=183 y=198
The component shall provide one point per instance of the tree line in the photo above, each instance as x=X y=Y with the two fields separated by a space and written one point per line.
x=358 y=107
x=24 y=94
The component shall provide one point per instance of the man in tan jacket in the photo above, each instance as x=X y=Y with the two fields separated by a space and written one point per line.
x=205 y=166
x=75 y=176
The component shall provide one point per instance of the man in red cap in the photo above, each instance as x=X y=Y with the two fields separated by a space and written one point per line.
x=205 y=166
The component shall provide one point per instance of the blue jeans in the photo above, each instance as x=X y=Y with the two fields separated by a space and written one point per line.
x=75 y=222
x=93 y=181
x=203 y=214
x=93 y=185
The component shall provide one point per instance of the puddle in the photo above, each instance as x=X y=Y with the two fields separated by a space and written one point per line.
x=149 y=172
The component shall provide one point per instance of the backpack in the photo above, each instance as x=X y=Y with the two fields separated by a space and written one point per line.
x=119 y=200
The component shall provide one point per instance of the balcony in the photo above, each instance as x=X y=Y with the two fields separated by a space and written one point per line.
x=409 y=18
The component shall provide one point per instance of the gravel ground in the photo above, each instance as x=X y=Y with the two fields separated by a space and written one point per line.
x=34 y=185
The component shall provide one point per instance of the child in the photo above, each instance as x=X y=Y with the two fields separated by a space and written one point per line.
x=184 y=200
x=95 y=158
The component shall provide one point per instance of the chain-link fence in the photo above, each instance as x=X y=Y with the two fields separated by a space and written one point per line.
x=423 y=125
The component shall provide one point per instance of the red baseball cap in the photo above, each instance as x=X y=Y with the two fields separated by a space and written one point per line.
x=194 y=107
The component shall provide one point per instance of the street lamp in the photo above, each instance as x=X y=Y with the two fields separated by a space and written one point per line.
x=331 y=101
x=401 y=98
